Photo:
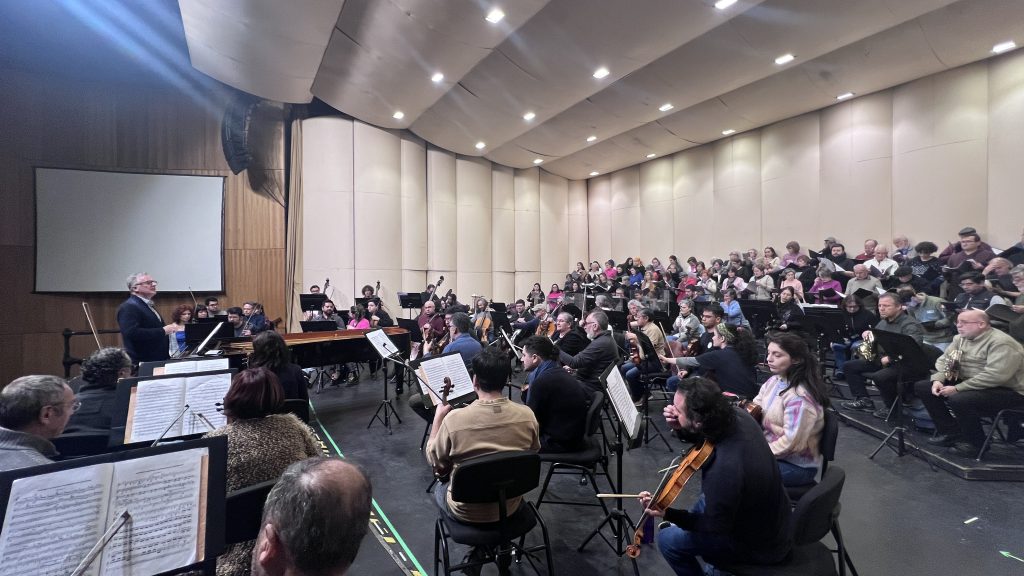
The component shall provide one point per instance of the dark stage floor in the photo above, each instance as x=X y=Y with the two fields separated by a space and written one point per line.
x=899 y=515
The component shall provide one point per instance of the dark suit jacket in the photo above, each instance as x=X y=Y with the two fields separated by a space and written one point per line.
x=141 y=331
x=591 y=362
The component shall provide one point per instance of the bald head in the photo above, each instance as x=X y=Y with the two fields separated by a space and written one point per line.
x=972 y=323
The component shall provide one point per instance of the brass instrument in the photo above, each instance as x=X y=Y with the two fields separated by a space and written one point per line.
x=951 y=374
x=866 y=348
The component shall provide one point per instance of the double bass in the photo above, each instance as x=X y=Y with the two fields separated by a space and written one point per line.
x=671 y=485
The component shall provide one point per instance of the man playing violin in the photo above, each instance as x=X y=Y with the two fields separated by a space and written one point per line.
x=743 y=512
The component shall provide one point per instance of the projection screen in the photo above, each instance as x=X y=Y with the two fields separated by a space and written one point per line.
x=93 y=229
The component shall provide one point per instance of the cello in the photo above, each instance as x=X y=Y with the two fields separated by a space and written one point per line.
x=671 y=485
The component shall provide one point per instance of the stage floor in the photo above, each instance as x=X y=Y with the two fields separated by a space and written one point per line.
x=899 y=515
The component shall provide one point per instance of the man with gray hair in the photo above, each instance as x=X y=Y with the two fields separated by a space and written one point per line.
x=602 y=351
x=142 y=328
x=33 y=410
x=314 y=519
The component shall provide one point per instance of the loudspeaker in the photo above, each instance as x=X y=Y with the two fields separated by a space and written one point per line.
x=234 y=131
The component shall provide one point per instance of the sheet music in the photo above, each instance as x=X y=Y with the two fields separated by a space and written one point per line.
x=162 y=493
x=202 y=393
x=157 y=403
x=435 y=369
x=53 y=520
x=191 y=366
x=381 y=343
x=618 y=392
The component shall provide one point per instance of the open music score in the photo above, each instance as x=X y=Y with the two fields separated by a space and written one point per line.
x=622 y=402
x=194 y=366
x=154 y=404
x=434 y=369
x=53 y=520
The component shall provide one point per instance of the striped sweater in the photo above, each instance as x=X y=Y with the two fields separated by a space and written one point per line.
x=792 y=423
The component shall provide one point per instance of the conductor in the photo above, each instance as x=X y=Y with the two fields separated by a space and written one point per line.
x=142 y=328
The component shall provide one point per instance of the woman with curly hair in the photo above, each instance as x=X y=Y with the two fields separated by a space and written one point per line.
x=730 y=363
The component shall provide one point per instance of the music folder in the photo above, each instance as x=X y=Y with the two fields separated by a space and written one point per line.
x=144 y=407
x=172 y=495
x=382 y=344
x=432 y=371
x=622 y=402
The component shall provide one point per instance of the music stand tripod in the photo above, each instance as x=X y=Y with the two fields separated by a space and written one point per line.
x=385 y=405
x=908 y=358
x=617 y=518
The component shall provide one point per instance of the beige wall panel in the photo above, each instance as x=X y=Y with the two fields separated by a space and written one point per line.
x=625 y=188
x=524 y=283
x=656 y=181
x=377 y=233
x=737 y=219
x=414 y=204
x=746 y=157
x=791 y=147
x=657 y=209
x=504 y=287
x=470 y=283
x=836 y=157
x=503 y=220
x=554 y=229
x=328 y=211
x=451 y=281
x=941 y=109
x=872 y=125
x=327 y=154
x=473 y=185
x=579 y=240
x=694 y=201
x=599 y=218
x=441 y=229
x=956 y=173
x=1005 y=150
x=526 y=187
x=790 y=211
x=869 y=213
x=412 y=281
x=626 y=215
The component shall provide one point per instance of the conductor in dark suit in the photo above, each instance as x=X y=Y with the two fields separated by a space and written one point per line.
x=142 y=328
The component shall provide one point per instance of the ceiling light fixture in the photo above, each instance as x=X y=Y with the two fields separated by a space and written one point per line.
x=651 y=155
x=495 y=16
x=785 y=59
x=600 y=73
x=480 y=145
x=723 y=4
x=845 y=95
x=591 y=138
x=665 y=107
x=437 y=77
x=728 y=132
x=1004 y=46
x=398 y=115
x=529 y=116
x=594 y=173
x=537 y=160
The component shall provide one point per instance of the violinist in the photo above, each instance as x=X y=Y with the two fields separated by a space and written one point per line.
x=528 y=327
x=459 y=337
x=631 y=370
x=742 y=513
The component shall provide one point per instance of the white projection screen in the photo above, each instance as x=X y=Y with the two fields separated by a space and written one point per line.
x=93 y=229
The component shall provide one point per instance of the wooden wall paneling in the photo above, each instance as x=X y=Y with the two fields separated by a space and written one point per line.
x=11 y=365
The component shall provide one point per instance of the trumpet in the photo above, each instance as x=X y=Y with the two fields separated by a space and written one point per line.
x=866 y=348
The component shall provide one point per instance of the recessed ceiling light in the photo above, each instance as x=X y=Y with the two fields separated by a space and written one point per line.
x=665 y=107
x=398 y=115
x=784 y=59
x=480 y=145
x=845 y=95
x=594 y=173
x=529 y=116
x=495 y=16
x=591 y=138
x=651 y=155
x=537 y=160
x=723 y=4
x=600 y=73
x=437 y=77
x=1004 y=46
x=727 y=132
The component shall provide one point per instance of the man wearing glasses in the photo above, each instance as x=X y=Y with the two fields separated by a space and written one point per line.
x=988 y=377
x=143 y=330
x=33 y=410
x=602 y=351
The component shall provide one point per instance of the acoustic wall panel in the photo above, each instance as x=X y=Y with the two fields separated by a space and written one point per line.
x=790 y=170
x=441 y=210
x=554 y=230
x=377 y=162
x=656 y=209
x=526 y=187
x=693 y=194
x=414 y=203
x=1005 y=150
x=737 y=213
x=579 y=240
x=503 y=221
x=626 y=221
x=599 y=218
x=473 y=199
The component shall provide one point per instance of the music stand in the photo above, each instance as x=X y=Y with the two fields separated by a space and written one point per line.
x=388 y=352
x=312 y=302
x=760 y=314
x=830 y=326
x=410 y=300
x=617 y=320
x=318 y=325
x=906 y=355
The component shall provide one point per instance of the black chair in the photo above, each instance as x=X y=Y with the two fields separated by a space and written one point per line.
x=583 y=463
x=298 y=407
x=829 y=437
x=815 y=515
x=1013 y=419
x=244 y=512
x=82 y=443
x=489 y=479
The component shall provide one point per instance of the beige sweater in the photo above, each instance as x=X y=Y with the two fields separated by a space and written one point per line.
x=991 y=360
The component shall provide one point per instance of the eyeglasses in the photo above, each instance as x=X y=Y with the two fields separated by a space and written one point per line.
x=148 y=282
x=966 y=322
x=74 y=406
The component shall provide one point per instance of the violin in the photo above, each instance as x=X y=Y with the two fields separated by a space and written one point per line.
x=546 y=328
x=671 y=485
x=439 y=472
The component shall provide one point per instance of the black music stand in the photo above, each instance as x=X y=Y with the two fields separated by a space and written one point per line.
x=388 y=353
x=409 y=301
x=312 y=302
x=760 y=314
x=318 y=325
x=906 y=355
x=829 y=326
x=617 y=320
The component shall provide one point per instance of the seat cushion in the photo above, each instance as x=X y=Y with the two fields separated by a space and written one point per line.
x=586 y=457
x=490 y=534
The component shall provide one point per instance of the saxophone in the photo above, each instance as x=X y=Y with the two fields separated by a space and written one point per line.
x=951 y=374
x=866 y=348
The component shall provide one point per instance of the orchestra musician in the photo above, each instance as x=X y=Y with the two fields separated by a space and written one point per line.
x=568 y=337
x=460 y=339
x=430 y=322
x=483 y=323
x=742 y=513
x=630 y=370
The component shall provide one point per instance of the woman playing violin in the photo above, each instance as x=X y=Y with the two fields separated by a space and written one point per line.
x=742 y=513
